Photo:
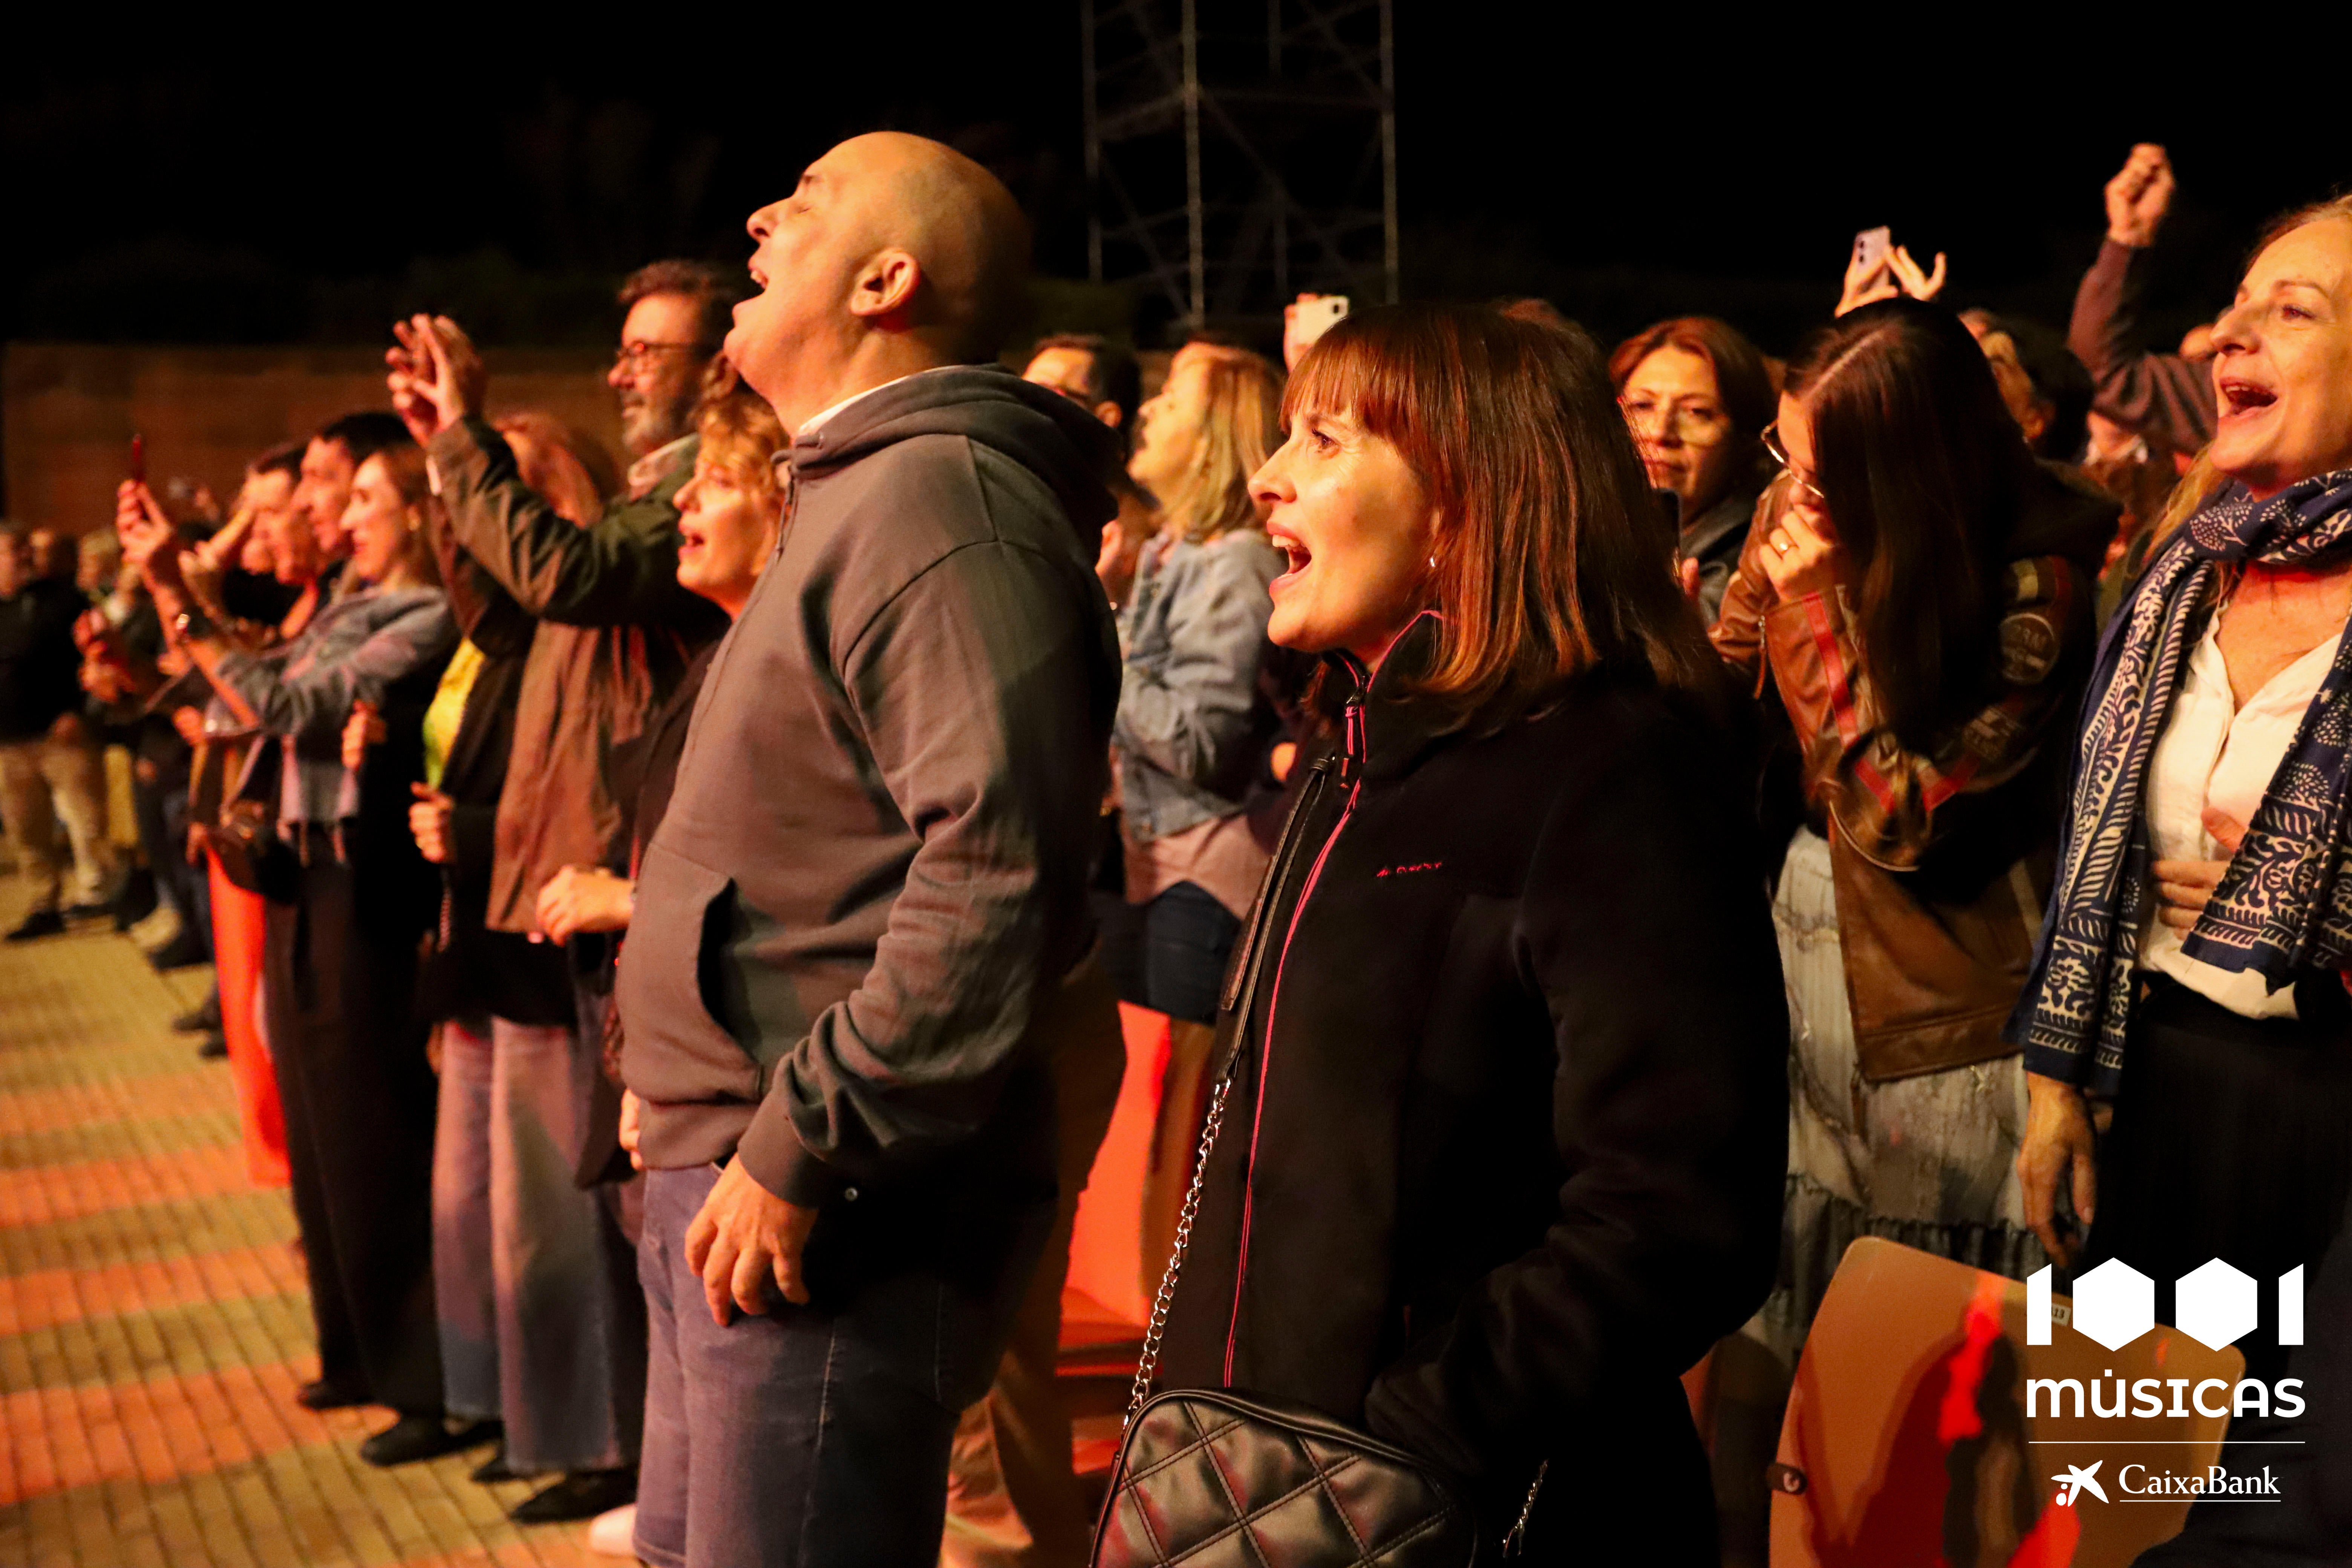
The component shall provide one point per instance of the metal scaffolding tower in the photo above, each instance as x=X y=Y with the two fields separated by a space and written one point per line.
x=1240 y=151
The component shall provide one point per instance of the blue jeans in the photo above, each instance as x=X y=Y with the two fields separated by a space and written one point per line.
x=808 y=1435
x=1187 y=936
x=525 y=1281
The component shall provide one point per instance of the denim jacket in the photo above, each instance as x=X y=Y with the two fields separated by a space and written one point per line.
x=354 y=651
x=1189 y=709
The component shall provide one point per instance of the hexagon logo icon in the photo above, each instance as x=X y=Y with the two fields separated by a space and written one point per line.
x=2114 y=1304
x=2214 y=1305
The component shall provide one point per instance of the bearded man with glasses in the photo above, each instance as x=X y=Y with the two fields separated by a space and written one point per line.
x=613 y=633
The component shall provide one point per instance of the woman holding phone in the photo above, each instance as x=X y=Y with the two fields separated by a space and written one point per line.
x=348 y=896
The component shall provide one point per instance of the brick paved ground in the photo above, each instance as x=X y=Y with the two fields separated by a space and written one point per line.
x=153 y=1321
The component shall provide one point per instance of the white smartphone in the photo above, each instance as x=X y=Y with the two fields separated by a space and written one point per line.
x=1310 y=319
x=1871 y=246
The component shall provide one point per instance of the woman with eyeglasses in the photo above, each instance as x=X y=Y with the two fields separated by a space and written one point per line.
x=1696 y=396
x=1915 y=601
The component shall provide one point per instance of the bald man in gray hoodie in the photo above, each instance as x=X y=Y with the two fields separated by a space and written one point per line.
x=858 y=961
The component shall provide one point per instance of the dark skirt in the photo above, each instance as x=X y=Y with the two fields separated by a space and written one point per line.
x=2231 y=1139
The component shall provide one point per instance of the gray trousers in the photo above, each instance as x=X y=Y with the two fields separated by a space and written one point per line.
x=528 y=1271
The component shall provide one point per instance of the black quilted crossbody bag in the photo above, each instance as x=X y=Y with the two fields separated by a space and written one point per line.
x=1217 y=1478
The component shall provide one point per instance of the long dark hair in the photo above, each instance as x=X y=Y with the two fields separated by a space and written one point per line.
x=1547 y=561
x=1922 y=472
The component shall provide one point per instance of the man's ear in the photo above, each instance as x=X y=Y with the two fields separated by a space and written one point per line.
x=884 y=292
x=1108 y=413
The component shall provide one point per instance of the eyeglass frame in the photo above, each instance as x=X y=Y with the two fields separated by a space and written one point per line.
x=1770 y=437
x=632 y=354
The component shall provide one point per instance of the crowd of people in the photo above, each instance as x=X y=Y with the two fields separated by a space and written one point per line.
x=1634 y=822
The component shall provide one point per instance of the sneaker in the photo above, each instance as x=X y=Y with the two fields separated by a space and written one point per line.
x=614 y=1532
x=214 y=1047
x=157 y=929
x=203 y=1018
x=38 y=925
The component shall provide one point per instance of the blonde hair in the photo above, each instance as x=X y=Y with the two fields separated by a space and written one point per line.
x=742 y=436
x=2201 y=482
x=1241 y=425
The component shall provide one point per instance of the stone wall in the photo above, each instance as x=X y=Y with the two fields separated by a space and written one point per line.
x=70 y=409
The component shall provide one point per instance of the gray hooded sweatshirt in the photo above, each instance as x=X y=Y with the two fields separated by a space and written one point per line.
x=870 y=881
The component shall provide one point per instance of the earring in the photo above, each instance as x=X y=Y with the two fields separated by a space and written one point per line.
x=1432 y=563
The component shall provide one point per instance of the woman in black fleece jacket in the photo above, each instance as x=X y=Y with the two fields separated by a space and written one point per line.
x=1504 y=1154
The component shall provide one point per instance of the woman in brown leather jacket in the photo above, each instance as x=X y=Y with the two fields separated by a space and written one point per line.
x=1914 y=599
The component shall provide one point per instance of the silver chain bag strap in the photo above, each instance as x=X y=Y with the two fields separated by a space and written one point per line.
x=1220 y=1479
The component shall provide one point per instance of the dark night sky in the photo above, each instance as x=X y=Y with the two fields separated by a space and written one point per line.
x=266 y=186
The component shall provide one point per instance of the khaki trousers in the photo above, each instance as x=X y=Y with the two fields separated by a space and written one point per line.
x=44 y=782
x=1012 y=1499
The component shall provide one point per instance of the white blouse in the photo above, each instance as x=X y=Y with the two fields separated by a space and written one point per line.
x=2213 y=752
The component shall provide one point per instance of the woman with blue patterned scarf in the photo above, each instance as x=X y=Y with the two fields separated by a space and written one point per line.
x=2190 y=992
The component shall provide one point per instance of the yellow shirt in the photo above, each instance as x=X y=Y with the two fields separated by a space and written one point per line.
x=448 y=710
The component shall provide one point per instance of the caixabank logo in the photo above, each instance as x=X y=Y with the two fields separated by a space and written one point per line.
x=2114 y=1305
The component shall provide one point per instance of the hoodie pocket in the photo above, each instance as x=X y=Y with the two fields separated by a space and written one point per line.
x=673 y=965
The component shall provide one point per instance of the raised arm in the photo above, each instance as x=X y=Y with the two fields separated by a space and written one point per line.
x=2161 y=394
x=620 y=572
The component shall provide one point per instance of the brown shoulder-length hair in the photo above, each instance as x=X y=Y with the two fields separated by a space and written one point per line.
x=1922 y=477
x=1547 y=561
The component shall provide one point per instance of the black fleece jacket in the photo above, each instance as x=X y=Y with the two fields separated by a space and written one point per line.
x=1505 y=1154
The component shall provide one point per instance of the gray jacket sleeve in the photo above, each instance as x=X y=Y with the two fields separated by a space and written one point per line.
x=971 y=691
x=1186 y=716
x=620 y=572
x=315 y=704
